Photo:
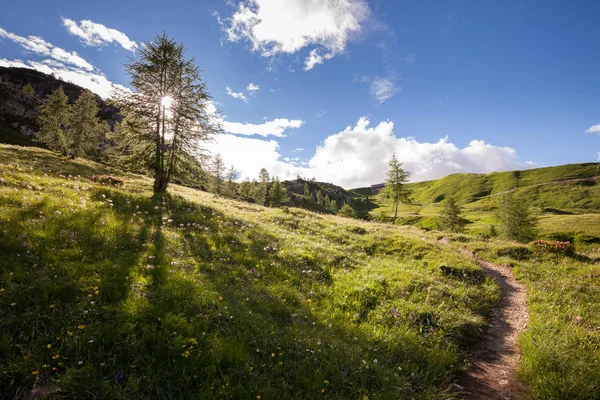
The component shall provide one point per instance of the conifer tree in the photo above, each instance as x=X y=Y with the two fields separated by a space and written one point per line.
x=320 y=198
x=53 y=118
x=217 y=171
x=245 y=189
x=333 y=206
x=347 y=211
x=167 y=111
x=517 y=220
x=261 y=193
x=395 y=189
x=28 y=89
x=277 y=193
x=451 y=215
x=85 y=128
x=230 y=185
x=307 y=192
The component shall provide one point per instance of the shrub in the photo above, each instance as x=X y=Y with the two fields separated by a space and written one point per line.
x=514 y=252
x=556 y=247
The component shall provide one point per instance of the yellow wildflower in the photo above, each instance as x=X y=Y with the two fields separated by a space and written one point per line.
x=35 y=373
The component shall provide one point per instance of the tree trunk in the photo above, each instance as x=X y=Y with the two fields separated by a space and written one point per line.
x=160 y=182
x=396 y=212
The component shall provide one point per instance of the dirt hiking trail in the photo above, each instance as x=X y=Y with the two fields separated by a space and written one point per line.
x=492 y=375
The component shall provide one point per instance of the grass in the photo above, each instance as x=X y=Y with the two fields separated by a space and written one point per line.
x=116 y=293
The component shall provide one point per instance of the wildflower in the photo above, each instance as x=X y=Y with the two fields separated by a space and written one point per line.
x=69 y=333
x=326 y=382
x=54 y=357
x=185 y=354
x=322 y=390
x=54 y=369
x=258 y=397
x=118 y=377
x=35 y=373
x=272 y=354
x=80 y=362
x=48 y=345
x=52 y=306
x=80 y=326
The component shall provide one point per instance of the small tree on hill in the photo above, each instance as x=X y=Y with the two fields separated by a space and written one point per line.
x=261 y=193
x=28 y=89
x=395 y=189
x=53 y=118
x=277 y=193
x=230 y=185
x=451 y=215
x=347 y=211
x=307 y=192
x=333 y=206
x=517 y=220
x=245 y=189
x=320 y=199
x=85 y=128
x=217 y=171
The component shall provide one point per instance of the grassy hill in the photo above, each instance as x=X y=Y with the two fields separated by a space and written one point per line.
x=113 y=293
x=567 y=197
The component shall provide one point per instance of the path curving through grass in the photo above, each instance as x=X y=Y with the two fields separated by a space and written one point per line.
x=492 y=374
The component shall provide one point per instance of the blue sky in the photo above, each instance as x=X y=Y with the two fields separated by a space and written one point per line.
x=331 y=89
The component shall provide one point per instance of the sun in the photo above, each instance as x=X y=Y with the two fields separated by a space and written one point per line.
x=166 y=102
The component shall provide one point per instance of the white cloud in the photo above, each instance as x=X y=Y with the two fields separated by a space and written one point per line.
x=383 y=88
x=236 y=95
x=598 y=154
x=299 y=149
x=358 y=156
x=36 y=44
x=94 y=34
x=274 y=26
x=274 y=127
x=410 y=58
x=251 y=88
x=96 y=82
x=593 y=129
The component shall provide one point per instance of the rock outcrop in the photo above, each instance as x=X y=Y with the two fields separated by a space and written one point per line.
x=19 y=110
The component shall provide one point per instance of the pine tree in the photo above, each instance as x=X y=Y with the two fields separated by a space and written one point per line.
x=451 y=215
x=320 y=198
x=230 y=185
x=53 y=118
x=517 y=220
x=167 y=111
x=261 y=193
x=395 y=189
x=28 y=89
x=333 y=206
x=245 y=189
x=277 y=193
x=307 y=193
x=347 y=211
x=85 y=128
x=217 y=171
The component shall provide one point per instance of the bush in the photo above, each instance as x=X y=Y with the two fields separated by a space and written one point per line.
x=556 y=247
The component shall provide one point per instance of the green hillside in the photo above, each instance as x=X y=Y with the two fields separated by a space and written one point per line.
x=567 y=198
x=113 y=293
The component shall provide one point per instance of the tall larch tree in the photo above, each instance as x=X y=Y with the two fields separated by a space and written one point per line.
x=85 y=128
x=277 y=193
x=53 y=118
x=217 y=172
x=395 y=189
x=230 y=176
x=168 y=113
x=451 y=215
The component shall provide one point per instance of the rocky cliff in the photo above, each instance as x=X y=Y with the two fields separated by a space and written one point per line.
x=19 y=110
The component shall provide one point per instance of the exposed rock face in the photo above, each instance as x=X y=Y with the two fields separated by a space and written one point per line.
x=19 y=110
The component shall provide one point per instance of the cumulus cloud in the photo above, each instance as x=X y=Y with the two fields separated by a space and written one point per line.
x=236 y=95
x=593 y=129
x=251 y=88
x=383 y=88
x=36 y=44
x=273 y=26
x=276 y=127
x=93 y=34
x=96 y=82
x=358 y=156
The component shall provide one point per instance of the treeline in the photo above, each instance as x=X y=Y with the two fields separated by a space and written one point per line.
x=72 y=129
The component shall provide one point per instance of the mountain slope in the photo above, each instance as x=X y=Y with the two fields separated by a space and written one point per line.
x=112 y=292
